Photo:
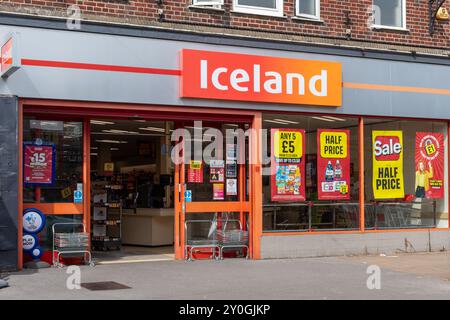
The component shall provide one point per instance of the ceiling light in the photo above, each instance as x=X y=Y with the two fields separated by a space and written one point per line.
x=102 y=123
x=120 y=131
x=287 y=121
x=274 y=121
x=323 y=119
x=333 y=118
x=94 y=148
x=94 y=154
x=153 y=129
x=111 y=141
x=114 y=149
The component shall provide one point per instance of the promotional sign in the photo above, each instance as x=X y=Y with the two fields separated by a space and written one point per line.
x=217 y=171
x=231 y=170
x=38 y=164
x=333 y=164
x=242 y=77
x=78 y=194
x=429 y=172
x=33 y=221
x=288 y=165
x=387 y=155
x=218 y=191
x=231 y=187
x=195 y=171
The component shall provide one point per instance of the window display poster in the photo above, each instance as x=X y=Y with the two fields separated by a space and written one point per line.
x=333 y=164
x=231 y=187
x=218 y=191
x=387 y=157
x=429 y=171
x=195 y=171
x=217 y=171
x=288 y=165
x=231 y=170
x=39 y=164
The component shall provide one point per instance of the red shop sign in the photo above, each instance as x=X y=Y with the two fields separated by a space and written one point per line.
x=39 y=164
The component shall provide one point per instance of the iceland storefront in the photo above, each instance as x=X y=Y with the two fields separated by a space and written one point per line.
x=343 y=151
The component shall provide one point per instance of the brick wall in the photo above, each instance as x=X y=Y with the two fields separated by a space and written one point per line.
x=180 y=13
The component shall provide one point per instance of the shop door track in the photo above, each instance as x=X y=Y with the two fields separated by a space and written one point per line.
x=103 y=286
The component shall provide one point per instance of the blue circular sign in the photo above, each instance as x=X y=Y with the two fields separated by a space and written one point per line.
x=33 y=221
x=29 y=242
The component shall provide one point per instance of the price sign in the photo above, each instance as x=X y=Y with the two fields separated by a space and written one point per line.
x=288 y=144
x=39 y=164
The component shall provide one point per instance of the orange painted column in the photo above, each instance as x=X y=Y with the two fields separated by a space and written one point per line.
x=256 y=182
x=87 y=174
x=362 y=226
x=448 y=172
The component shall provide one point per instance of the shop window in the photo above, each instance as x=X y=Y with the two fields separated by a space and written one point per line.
x=222 y=174
x=262 y=7
x=55 y=171
x=389 y=13
x=406 y=174
x=309 y=9
x=311 y=173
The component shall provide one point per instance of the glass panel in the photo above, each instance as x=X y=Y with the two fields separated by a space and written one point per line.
x=424 y=175
x=67 y=137
x=272 y=4
x=217 y=156
x=46 y=235
x=388 y=13
x=307 y=7
x=313 y=214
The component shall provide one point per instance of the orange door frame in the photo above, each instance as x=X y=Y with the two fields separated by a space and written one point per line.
x=87 y=110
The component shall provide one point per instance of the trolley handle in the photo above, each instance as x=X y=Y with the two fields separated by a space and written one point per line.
x=67 y=224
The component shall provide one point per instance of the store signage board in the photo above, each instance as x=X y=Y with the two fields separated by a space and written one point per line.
x=39 y=164
x=333 y=164
x=387 y=155
x=242 y=77
x=9 y=60
x=429 y=159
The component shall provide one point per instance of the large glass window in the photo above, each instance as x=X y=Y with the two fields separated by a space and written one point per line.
x=264 y=7
x=405 y=174
x=389 y=13
x=313 y=206
x=66 y=139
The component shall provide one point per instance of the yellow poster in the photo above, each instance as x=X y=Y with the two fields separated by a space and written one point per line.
x=288 y=144
x=387 y=155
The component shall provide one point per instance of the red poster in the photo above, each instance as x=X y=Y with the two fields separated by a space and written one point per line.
x=38 y=164
x=429 y=170
x=288 y=165
x=195 y=172
x=333 y=164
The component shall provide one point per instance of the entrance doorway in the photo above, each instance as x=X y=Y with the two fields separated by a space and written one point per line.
x=127 y=150
x=132 y=188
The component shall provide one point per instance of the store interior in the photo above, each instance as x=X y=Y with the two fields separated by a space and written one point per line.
x=132 y=215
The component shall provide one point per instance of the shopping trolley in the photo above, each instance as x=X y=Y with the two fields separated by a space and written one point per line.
x=70 y=244
x=232 y=238
x=198 y=239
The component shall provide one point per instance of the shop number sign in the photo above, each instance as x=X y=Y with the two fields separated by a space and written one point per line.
x=39 y=164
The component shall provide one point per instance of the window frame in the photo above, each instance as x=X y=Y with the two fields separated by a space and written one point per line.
x=382 y=26
x=277 y=12
x=305 y=15
x=204 y=3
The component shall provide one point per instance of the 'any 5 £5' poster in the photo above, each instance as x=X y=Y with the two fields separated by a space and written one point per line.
x=288 y=165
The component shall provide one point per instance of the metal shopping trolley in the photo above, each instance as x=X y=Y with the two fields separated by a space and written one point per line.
x=71 y=244
x=201 y=235
x=232 y=236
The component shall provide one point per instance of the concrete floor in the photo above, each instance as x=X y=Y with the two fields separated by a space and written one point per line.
x=414 y=276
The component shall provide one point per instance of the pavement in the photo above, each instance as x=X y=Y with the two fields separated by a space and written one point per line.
x=409 y=276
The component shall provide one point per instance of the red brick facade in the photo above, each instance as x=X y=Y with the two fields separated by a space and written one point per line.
x=333 y=24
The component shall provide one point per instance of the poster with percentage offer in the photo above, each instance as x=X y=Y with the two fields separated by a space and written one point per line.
x=429 y=170
x=333 y=164
x=38 y=164
x=288 y=165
